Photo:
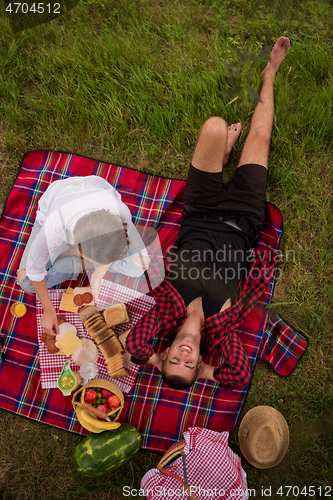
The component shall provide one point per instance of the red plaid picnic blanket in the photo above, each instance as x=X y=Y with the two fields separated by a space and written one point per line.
x=153 y=201
x=160 y=413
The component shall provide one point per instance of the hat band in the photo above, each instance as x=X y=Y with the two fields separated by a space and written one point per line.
x=246 y=431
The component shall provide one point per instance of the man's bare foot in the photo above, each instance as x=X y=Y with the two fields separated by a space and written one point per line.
x=278 y=53
x=234 y=131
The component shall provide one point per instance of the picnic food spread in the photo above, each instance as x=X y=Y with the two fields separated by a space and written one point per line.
x=98 y=403
x=82 y=351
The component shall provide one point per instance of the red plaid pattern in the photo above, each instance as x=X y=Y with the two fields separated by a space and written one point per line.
x=213 y=470
x=218 y=332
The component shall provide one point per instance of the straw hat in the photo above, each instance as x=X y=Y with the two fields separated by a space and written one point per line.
x=263 y=437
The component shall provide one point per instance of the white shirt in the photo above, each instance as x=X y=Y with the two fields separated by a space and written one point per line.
x=60 y=207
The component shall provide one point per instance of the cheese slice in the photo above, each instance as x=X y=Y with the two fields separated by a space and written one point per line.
x=68 y=343
x=66 y=303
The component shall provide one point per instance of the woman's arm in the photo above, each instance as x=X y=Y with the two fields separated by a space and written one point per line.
x=96 y=278
x=48 y=321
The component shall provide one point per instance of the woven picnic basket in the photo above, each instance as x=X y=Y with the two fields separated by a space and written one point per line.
x=78 y=400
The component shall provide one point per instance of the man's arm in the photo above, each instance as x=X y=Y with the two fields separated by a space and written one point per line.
x=234 y=369
x=137 y=342
x=206 y=371
x=157 y=360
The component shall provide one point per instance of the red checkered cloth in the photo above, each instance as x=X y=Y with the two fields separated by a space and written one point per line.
x=111 y=293
x=213 y=470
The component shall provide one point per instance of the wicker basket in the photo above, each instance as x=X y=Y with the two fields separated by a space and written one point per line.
x=78 y=399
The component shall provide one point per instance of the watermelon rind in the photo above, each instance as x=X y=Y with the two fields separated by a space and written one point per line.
x=100 y=453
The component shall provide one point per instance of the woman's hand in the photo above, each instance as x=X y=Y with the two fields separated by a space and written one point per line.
x=49 y=322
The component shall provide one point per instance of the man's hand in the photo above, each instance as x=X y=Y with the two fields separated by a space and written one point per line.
x=206 y=371
x=156 y=360
x=142 y=262
x=49 y=323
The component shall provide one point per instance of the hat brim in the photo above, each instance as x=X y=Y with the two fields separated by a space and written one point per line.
x=283 y=426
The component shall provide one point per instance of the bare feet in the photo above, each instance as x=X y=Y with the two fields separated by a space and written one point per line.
x=278 y=53
x=234 y=131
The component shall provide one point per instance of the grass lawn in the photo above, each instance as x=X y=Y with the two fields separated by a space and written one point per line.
x=131 y=82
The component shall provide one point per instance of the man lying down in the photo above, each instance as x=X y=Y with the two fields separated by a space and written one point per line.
x=200 y=303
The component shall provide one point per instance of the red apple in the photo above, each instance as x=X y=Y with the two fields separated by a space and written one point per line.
x=112 y=402
x=105 y=393
x=102 y=408
x=90 y=396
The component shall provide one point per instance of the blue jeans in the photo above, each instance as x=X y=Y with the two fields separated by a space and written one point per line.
x=64 y=269
x=68 y=268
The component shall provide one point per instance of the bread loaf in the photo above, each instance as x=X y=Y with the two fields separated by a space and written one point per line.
x=115 y=362
x=111 y=347
x=122 y=372
x=106 y=338
x=103 y=335
x=87 y=311
x=123 y=336
x=116 y=315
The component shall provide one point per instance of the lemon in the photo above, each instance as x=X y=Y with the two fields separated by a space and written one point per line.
x=67 y=381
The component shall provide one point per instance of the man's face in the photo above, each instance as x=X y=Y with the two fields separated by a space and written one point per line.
x=183 y=357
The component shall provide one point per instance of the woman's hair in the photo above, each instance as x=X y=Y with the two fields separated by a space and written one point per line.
x=101 y=236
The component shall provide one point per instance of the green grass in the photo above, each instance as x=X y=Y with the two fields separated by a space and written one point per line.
x=132 y=82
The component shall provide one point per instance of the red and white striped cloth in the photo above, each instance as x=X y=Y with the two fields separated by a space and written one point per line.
x=111 y=293
x=214 y=471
